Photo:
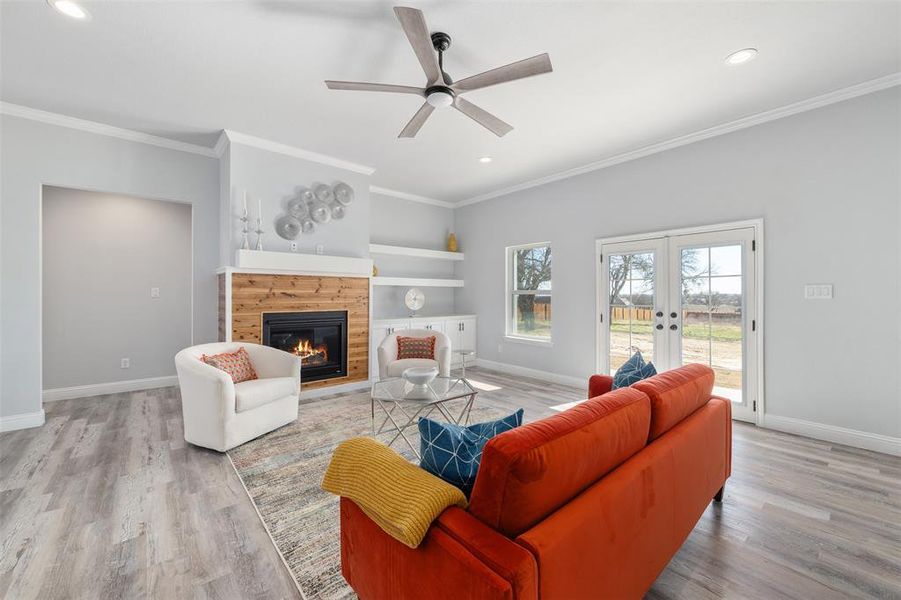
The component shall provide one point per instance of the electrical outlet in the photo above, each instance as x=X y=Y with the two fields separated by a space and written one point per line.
x=320 y=249
x=154 y=292
x=125 y=363
x=500 y=348
x=293 y=246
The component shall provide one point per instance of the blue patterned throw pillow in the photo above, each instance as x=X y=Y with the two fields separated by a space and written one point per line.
x=634 y=369
x=453 y=452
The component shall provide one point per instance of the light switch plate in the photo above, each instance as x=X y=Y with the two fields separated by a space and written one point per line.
x=320 y=249
x=125 y=363
x=154 y=292
x=818 y=291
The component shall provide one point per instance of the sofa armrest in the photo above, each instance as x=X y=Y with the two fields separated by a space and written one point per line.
x=505 y=557
x=207 y=400
x=377 y=566
x=271 y=362
x=599 y=384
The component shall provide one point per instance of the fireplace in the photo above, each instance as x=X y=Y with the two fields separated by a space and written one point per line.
x=318 y=338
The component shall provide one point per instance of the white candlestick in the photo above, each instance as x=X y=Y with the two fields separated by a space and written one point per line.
x=260 y=206
x=245 y=202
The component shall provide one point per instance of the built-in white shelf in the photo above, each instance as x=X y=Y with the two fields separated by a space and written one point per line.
x=417 y=282
x=302 y=264
x=414 y=252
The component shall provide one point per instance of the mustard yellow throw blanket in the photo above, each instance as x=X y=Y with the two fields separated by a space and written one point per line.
x=400 y=497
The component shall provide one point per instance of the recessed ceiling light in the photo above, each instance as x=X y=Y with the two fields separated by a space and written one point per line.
x=741 y=56
x=485 y=159
x=70 y=9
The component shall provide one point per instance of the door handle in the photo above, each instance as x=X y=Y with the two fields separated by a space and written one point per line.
x=659 y=326
x=659 y=313
x=673 y=315
x=674 y=327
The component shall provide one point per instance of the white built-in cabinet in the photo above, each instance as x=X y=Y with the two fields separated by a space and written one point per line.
x=461 y=329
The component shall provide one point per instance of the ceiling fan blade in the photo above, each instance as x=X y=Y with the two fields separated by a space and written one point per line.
x=518 y=70
x=482 y=117
x=373 y=87
x=413 y=23
x=417 y=121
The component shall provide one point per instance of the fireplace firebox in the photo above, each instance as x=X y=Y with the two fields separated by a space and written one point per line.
x=318 y=338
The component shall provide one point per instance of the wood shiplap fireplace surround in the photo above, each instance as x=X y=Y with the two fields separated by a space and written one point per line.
x=245 y=296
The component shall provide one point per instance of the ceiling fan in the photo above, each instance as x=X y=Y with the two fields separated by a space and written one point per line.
x=441 y=91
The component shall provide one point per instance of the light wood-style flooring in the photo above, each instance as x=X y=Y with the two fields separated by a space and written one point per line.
x=108 y=501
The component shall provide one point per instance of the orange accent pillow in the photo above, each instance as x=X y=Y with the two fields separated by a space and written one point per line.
x=414 y=347
x=237 y=364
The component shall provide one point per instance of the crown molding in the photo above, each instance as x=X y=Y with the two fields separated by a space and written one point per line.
x=237 y=137
x=412 y=197
x=33 y=114
x=861 y=89
x=221 y=143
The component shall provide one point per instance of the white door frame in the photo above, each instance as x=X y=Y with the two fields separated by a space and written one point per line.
x=758 y=278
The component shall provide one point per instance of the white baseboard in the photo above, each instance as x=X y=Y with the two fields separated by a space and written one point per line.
x=839 y=435
x=113 y=387
x=344 y=388
x=579 y=382
x=22 y=421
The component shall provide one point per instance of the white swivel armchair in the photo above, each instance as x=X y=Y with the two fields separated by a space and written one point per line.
x=389 y=366
x=219 y=414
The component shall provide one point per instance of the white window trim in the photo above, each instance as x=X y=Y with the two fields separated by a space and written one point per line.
x=510 y=334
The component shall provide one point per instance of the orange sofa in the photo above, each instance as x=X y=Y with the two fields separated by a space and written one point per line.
x=590 y=503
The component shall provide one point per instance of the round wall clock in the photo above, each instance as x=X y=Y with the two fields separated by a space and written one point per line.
x=414 y=299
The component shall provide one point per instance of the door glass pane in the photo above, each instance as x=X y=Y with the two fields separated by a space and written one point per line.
x=632 y=301
x=712 y=314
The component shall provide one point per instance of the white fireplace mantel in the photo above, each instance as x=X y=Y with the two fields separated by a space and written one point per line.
x=289 y=263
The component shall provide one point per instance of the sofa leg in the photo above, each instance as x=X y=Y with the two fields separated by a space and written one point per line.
x=719 y=495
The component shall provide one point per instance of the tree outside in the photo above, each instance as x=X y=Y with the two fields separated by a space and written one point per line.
x=532 y=291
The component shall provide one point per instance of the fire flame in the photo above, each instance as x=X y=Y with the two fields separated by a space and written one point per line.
x=306 y=350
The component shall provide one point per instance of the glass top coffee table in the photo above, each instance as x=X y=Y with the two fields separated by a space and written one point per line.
x=401 y=403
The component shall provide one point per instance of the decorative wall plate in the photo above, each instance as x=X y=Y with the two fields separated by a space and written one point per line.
x=324 y=193
x=288 y=227
x=320 y=212
x=337 y=211
x=297 y=207
x=344 y=194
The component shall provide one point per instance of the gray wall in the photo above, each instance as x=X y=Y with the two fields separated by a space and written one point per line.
x=102 y=254
x=826 y=183
x=275 y=178
x=399 y=222
x=33 y=154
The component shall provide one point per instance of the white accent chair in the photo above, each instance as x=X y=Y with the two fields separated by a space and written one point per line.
x=389 y=366
x=219 y=414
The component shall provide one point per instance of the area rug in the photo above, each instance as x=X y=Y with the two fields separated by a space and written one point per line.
x=282 y=472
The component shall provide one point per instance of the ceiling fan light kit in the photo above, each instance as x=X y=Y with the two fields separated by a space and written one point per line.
x=441 y=91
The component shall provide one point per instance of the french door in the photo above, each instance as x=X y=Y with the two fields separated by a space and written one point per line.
x=684 y=298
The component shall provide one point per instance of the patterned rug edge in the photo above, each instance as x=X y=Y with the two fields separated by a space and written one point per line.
x=256 y=509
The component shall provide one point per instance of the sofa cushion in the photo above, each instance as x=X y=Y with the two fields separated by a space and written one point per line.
x=529 y=472
x=397 y=368
x=237 y=364
x=257 y=392
x=453 y=452
x=635 y=362
x=631 y=377
x=416 y=347
x=675 y=395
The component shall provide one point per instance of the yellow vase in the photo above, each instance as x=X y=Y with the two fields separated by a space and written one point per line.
x=452 y=243
x=375 y=270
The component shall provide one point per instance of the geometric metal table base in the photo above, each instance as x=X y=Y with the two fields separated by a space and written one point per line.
x=401 y=413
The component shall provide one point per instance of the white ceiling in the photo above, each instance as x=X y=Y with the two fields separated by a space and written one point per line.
x=626 y=75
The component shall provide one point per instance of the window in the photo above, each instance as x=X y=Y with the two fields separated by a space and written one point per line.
x=529 y=292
